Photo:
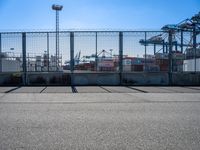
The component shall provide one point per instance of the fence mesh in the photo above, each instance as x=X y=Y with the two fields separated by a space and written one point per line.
x=98 y=51
x=11 y=52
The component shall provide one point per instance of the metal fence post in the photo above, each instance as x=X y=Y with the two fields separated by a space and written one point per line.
x=24 y=58
x=181 y=41
x=154 y=48
x=0 y=55
x=167 y=50
x=176 y=46
x=195 y=48
x=120 y=55
x=72 y=56
x=163 y=46
x=145 y=51
x=96 y=57
x=170 y=57
x=48 y=51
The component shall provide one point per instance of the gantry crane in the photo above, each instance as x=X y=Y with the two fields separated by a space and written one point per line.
x=171 y=35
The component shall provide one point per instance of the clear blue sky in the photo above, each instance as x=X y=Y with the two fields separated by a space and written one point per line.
x=95 y=14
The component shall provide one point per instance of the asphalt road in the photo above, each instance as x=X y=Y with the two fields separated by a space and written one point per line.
x=141 y=121
x=101 y=89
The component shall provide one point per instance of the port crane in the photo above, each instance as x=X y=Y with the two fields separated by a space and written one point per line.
x=103 y=53
x=191 y=26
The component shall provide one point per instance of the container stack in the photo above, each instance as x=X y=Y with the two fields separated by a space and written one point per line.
x=38 y=65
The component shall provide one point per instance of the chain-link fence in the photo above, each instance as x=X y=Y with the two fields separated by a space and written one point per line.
x=100 y=51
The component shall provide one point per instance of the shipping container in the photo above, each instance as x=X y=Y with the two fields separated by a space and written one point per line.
x=161 y=56
x=127 y=68
x=10 y=65
x=152 y=68
x=189 y=65
x=162 y=62
x=137 y=68
x=164 y=68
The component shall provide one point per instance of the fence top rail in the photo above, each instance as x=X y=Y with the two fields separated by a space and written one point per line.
x=98 y=31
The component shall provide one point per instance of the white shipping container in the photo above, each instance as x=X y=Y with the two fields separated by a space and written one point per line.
x=52 y=68
x=127 y=68
x=44 y=68
x=189 y=65
x=53 y=58
x=127 y=62
x=38 y=58
x=10 y=65
x=31 y=68
x=38 y=63
x=38 y=68
x=53 y=64
x=60 y=68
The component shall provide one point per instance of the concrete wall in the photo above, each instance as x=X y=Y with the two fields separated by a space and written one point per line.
x=51 y=78
x=3 y=78
x=60 y=78
x=10 y=78
x=96 y=79
x=186 y=78
x=145 y=78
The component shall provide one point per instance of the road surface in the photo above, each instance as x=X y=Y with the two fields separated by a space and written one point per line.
x=111 y=119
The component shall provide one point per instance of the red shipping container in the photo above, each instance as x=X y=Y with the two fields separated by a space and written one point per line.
x=137 y=68
x=164 y=67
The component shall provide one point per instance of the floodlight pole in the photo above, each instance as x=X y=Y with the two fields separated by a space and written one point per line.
x=57 y=38
x=57 y=8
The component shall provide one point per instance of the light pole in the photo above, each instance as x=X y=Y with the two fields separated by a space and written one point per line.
x=57 y=8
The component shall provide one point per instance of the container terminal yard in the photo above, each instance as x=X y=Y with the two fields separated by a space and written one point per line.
x=170 y=55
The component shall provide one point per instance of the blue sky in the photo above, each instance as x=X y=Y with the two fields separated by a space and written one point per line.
x=95 y=14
